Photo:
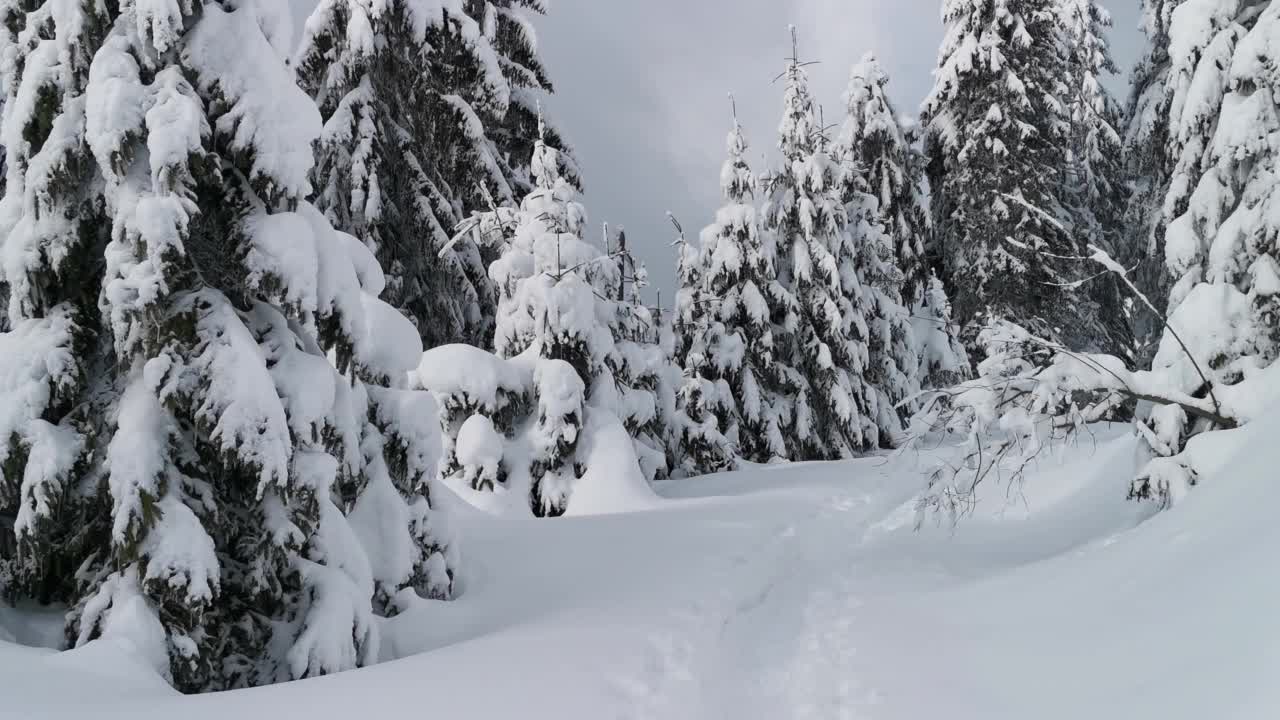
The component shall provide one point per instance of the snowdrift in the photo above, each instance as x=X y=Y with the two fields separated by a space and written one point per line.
x=805 y=592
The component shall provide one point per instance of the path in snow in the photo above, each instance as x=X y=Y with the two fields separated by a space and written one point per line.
x=803 y=593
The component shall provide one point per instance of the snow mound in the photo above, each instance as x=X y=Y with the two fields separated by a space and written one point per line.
x=613 y=482
x=463 y=370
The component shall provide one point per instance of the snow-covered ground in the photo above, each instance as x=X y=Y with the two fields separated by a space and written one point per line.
x=801 y=592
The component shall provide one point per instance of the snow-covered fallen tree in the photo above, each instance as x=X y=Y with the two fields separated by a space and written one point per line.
x=1032 y=393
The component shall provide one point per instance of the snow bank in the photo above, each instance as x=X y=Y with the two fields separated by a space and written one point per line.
x=799 y=592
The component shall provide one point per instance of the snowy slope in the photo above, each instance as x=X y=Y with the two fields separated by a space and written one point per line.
x=803 y=592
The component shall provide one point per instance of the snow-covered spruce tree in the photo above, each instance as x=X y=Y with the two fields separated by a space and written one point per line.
x=554 y=312
x=1216 y=367
x=1094 y=191
x=734 y=394
x=835 y=411
x=887 y=226
x=943 y=358
x=54 y=223
x=878 y=158
x=698 y=444
x=507 y=27
x=1148 y=167
x=257 y=478
x=637 y=361
x=997 y=135
x=408 y=91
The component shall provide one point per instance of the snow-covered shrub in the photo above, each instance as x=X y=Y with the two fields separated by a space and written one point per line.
x=558 y=320
x=468 y=382
x=214 y=447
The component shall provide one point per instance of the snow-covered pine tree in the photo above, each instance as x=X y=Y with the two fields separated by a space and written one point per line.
x=224 y=437
x=879 y=158
x=1204 y=36
x=1094 y=191
x=943 y=358
x=637 y=362
x=507 y=27
x=1148 y=168
x=997 y=132
x=470 y=383
x=408 y=92
x=55 y=225
x=835 y=410
x=883 y=197
x=1221 y=251
x=555 y=312
x=698 y=444
x=1215 y=369
x=744 y=298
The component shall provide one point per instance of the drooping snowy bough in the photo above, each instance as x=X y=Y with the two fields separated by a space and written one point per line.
x=207 y=440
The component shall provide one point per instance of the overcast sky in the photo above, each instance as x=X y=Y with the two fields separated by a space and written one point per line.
x=642 y=85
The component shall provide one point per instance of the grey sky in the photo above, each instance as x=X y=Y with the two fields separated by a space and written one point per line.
x=641 y=90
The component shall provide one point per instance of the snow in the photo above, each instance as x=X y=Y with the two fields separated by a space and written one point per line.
x=229 y=52
x=469 y=372
x=479 y=445
x=803 y=592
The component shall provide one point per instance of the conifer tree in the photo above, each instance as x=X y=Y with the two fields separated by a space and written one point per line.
x=1221 y=250
x=699 y=444
x=423 y=115
x=1216 y=360
x=1149 y=169
x=637 y=361
x=835 y=411
x=207 y=431
x=882 y=196
x=1094 y=190
x=555 y=312
x=507 y=27
x=882 y=172
x=997 y=135
x=1205 y=37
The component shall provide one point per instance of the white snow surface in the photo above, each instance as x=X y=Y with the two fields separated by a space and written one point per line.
x=801 y=591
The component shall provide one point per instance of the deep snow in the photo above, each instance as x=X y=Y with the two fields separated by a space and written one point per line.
x=801 y=592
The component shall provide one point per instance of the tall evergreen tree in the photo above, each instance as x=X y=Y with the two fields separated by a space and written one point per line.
x=879 y=159
x=835 y=411
x=883 y=173
x=1094 y=189
x=637 y=362
x=507 y=27
x=1205 y=36
x=184 y=460
x=733 y=375
x=997 y=135
x=882 y=194
x=1222 y=250
x=1149 y=169
x=427 y=115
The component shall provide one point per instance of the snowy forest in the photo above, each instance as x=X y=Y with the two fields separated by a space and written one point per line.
x=313 y=358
